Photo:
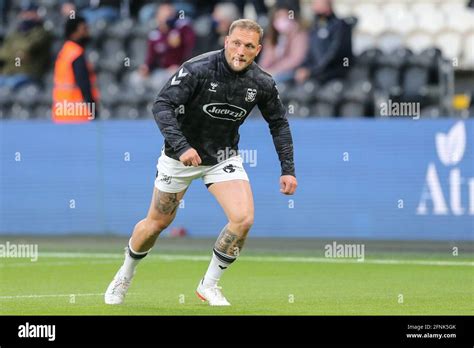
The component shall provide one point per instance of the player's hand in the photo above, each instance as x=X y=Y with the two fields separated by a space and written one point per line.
x=190 y=158
x=288 y=184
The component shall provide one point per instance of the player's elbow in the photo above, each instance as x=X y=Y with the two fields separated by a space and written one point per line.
x=156 y=109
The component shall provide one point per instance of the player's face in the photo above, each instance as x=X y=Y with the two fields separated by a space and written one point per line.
x=241 y=48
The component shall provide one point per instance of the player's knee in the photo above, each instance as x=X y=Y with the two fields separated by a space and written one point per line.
x=155 y=227
x=243 y=222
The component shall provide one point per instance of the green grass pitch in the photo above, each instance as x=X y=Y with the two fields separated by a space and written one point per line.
x=264 y=281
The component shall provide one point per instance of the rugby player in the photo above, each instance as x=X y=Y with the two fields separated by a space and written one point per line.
x=199 y=112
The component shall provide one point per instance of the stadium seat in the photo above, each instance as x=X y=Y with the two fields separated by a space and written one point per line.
x=120 y=30
x=323 y=109
x=343 y=9
x=468 y=54
x=136 y=51
x=28 y=95
x=106 y=78
x=125 y=112
x=42 y=112
x=389 y=41
x=328 y=96
x=350 y=109
x=304 y=93
x=21 y=112
x=418 y=41
x=355 y=99
x=460 y=20
x=50 y=4
x=452 y=6
x=450 y=44
x=435 y=56
x=371 y=22
x=93 y=57
x=429 y=18
x=4 y=94
x=432 y=111
x=362 y=42
x=416 y=77
x=388 y=70
x=359 y=72
x=301 y=110
x=398 y=18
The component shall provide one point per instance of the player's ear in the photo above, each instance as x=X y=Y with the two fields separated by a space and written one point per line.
x=226 y=41
x=259 y=48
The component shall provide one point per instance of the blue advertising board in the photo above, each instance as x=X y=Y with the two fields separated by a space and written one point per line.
x=374 y=179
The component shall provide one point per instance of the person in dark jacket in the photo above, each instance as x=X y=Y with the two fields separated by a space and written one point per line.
x=330 y=46
x=25 y=53
x=199 y=112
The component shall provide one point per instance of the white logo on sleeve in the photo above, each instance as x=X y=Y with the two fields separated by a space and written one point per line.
x=181 y=74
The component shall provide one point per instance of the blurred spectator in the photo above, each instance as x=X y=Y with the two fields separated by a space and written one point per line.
x=186 y=8
x=260 y=9
x=285 y=46
x=222 y=17
x=75 y=95
x=168 y=47
x=68 y=9
x=330 y=42
x=24 y=55
x=94 y=10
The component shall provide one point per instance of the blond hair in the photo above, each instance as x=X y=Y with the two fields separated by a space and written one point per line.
x=249 y=25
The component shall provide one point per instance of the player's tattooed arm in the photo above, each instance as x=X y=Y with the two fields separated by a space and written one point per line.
x=229 y=243
x=166 y=203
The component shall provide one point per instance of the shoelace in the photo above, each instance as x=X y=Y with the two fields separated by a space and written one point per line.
x=121 y=284
x=216 y=290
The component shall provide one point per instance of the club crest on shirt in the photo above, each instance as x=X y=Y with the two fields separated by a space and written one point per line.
x=251 y=94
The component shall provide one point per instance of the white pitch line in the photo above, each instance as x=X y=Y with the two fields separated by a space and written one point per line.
x=301 y=259
x=50 y=295
x=55 y=263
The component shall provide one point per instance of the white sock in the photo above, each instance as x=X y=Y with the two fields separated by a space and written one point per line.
x=219 y=263
x=130 y=262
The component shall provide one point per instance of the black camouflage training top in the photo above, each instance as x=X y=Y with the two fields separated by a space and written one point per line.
x=205 y=102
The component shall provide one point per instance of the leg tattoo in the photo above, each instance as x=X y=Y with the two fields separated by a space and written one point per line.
x=229 y=243
x=166 y=203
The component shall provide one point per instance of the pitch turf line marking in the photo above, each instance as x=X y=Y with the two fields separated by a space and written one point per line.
x=51 y=295
x=177 y=257
x=57 y=263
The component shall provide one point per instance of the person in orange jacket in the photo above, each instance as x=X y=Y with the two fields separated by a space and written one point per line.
x=75 y=95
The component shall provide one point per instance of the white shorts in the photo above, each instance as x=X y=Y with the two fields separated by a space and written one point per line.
x=173 y=176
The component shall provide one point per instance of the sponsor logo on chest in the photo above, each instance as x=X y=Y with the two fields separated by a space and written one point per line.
x=224 y=111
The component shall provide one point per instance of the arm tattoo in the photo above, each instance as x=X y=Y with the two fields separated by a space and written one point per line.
x=166 y=203
x=229 y=243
